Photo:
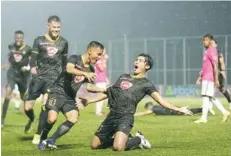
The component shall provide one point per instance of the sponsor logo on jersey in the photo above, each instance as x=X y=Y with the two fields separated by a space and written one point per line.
x=125 y=85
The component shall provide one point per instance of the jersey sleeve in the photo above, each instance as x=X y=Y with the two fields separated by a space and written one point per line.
x=150 y=88
x=72 y=59
x=64 y=56
x=213 y=55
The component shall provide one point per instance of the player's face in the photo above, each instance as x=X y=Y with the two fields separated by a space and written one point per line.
x=18 y=39
x=140 y=65
x=206 y=42
x=94 y=54
x=213 y=43
x=54 y=29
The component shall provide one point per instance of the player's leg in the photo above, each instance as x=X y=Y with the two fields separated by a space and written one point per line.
x=16 y=97
x=99 y=105
x=103 y=136
x=72 y=115
x=34 y=91
x=121 y=141
x=9 y=89
x=53 y=106
x=218 y=104
x=223 y=90
x=207 y=91
x=42 y=120
x=6 y=103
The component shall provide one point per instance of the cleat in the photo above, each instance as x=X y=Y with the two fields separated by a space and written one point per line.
x=36 y=139
x=144 y=142
x=201 y=121
x=28 y=127
x=226 y=117
x=51 y=144
x=42 y=145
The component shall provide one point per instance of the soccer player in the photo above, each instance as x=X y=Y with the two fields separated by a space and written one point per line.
x=123 y=98
x=101 y=79
x=62 y=96
x=18 y=72
x=209 y=77
x=160 y=110
x=48 y=60
x=222 y=75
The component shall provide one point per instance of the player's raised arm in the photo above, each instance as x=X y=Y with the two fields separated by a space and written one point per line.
x=156 y=96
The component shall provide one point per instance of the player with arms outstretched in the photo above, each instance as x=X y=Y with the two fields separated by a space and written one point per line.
x=123 y=98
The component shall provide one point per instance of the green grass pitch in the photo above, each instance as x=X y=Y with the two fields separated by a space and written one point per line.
x=169 y=135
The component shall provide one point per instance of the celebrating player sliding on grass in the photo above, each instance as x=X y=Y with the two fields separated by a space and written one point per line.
x=123 y=98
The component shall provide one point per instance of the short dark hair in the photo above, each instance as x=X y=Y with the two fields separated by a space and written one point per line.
x=19 y=32
x=208 y=36
x=148 y=59
x=54 y=18
x=95 y=44
x=148 y=104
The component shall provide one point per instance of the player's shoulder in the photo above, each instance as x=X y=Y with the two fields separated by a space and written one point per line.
x=10 y=46
x=63 y=39
x=27 y=47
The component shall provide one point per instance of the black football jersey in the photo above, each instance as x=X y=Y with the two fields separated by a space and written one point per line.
x=71 y=83
x=51 y=54
x=19 y=57
x=127 y=92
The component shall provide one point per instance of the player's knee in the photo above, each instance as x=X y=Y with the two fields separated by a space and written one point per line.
x=94 y=145
x=118 y=147
x=73 y=120
x=52 y=120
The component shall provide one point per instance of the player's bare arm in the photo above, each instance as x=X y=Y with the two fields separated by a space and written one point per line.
x=148 y=112
x=156 y=96
x=222 y=63
x=70 y=68
x=94 y=89
x=81 y=102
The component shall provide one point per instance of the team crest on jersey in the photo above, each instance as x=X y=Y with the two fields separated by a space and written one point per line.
x=125 y=85
x=79 y=79
x=17 y=57
x=51 y=51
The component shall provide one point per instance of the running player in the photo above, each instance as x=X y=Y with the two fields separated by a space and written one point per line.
x=18 y=72
x=160 y=110
x=63 y=94
x=209 y=77
x=123 y=98
x=48 y=60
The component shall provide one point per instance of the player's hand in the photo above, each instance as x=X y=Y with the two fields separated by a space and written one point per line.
x=25 y=68
x=80 y=103
x=33 y=70
x=4 y=66
x=217 y=84
x=185 y=110
x=198 y=81
x=90 y=76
